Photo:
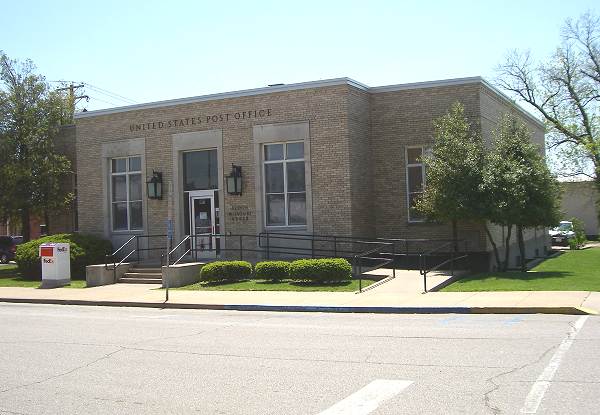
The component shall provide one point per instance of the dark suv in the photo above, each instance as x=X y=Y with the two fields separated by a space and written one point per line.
x=7 y=249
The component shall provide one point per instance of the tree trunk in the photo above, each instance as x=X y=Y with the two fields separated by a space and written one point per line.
x=47 y=222
x=25 y=218
x=494 y=246
x=455 y=235
x=507 y=248
x=597 y=183
x=521 y=242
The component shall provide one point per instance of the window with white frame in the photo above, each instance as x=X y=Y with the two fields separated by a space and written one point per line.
x=415 y=180
x=126 y=193
x=284 y=184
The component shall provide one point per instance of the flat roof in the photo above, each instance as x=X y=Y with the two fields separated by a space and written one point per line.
x=309 y=85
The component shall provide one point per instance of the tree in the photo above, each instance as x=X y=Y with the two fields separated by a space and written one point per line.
x=509 y=184
x=453 y=172
x=30 y=118
x=565 y=91
x=520 y=189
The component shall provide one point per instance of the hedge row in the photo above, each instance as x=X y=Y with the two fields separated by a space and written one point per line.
x=315 y=270
x=226 y=271
x=84 y=250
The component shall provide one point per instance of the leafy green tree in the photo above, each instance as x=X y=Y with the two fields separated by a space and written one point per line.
x=453 y=172
x=30 y=118
x=565 y=90
x=520 y=189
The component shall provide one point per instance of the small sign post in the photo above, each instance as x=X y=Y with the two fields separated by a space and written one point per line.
x=169 y=236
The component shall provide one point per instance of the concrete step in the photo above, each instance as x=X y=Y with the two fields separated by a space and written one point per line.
x=145 y=269
x=130 y=280
x=136 y=273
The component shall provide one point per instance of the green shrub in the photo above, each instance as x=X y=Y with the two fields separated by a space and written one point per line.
x=321 y=270
x=84 y=250
x=272 y=270
x=226 y=271
x=579 y=240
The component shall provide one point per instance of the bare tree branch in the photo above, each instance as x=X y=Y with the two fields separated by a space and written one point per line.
x=564 y=89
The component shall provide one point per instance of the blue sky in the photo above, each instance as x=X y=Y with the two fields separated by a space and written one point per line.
x=155 y=50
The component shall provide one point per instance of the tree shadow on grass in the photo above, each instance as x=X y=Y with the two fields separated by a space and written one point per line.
x=518 y=275
x=9 y=272
x=221 y=283
x=12 y=273
x=320 y=284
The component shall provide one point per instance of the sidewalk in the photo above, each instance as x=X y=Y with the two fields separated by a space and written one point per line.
x=378 y=300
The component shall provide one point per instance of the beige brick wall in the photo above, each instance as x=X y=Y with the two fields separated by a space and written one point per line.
x=357 y=152
x=493 y=107
x=405 y=118
x=324 y=108
x=361 y=172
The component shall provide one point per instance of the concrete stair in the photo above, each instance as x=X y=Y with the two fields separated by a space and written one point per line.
x=142 y=274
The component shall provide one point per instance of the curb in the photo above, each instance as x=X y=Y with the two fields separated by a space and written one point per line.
x=315 y=309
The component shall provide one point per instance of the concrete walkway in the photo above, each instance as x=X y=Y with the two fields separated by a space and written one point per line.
x=401 y=295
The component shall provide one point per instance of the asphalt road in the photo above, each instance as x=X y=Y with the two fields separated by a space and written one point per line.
x=95 y=360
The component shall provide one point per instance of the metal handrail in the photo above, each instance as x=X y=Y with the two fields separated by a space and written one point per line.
x=136 y=249
x=381 y=250
x=357 y=262
x=112 y=256
x=423 y=270
x=187 y=237
x=123 y=246
x=268 y=245
x=431 y=251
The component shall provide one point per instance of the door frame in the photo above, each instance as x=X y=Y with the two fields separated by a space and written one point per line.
x=194 y=141
x=202 y=194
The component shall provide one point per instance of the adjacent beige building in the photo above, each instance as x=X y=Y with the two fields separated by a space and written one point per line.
x=332 y=157
x=579 y=200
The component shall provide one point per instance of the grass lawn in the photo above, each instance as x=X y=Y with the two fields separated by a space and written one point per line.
x=10 y=277
x=260 y=285
x=570 y=271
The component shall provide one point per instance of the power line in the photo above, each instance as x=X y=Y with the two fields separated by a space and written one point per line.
x=109 y=93
x=106 y=102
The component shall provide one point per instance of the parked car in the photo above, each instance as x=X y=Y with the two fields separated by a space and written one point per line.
x=562 y=233
x=18 y=239
x=7 y=249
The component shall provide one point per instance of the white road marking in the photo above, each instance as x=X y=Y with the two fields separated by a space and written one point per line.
x=541 y=385
x=367 y=399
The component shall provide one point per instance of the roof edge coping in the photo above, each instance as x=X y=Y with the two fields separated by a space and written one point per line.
x=314 y=84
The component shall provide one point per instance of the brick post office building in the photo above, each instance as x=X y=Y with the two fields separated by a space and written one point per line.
x=332 y=157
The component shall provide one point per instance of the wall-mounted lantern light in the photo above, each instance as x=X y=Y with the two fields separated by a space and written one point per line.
x=155 y=185
x=234 y=180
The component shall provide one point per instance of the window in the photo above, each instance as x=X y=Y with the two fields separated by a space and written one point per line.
x=285 y=187
x=126 y=193
x=415 y=180
x=200 y=170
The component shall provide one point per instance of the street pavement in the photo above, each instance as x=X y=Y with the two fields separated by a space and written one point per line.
x=109 y=360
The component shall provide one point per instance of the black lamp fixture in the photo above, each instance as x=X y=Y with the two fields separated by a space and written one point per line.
x=155 y=185
x=234 y=180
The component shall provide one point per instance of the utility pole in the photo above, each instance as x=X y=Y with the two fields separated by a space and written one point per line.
x=73 y=99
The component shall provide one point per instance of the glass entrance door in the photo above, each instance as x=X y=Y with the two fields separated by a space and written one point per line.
x=203 y=224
